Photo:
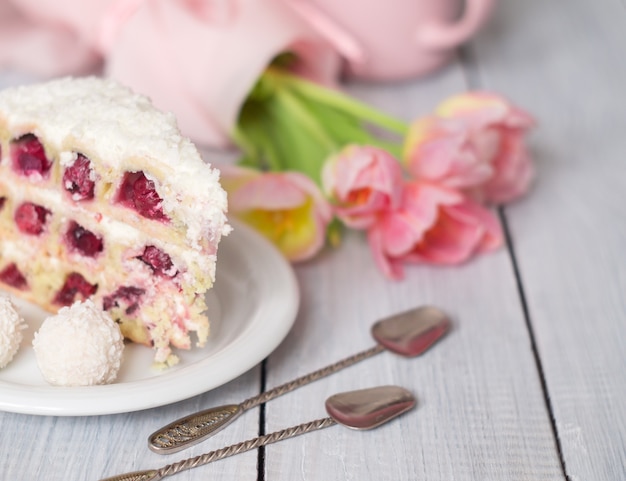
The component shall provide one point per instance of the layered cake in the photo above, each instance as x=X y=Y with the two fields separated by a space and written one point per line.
x=101 y=198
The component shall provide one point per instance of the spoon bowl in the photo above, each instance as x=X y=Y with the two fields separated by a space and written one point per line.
x=362 y=409
x=369 y=408
x=409 y=334
x=412 y=332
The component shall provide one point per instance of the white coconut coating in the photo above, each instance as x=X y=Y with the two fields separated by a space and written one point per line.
x=11 y=327
x=118 y=126
x=80 y=346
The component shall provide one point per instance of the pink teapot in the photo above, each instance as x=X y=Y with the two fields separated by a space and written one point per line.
x=394 y=39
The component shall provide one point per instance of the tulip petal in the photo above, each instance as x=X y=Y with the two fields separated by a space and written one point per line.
x=475 y=214
x=286 y=207
x=484 y=109
x=434 y=225
x=389 y=266
x=514 y=170
x=295 y=231
x=363 y=182
x=475 y=143
x=449 y=242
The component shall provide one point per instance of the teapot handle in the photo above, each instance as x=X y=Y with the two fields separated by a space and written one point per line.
x=437 y=35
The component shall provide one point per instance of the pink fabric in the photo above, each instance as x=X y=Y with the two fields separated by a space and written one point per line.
x=202 y=68
x=36 y=39
x=198 y=59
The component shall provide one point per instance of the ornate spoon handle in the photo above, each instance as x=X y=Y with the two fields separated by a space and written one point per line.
x=194 y=428
x=308 y=378
x=362 y=409
x=170 y=469
x=408 y=334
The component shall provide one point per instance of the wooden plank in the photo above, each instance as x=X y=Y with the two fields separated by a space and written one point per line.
x=481 y=411
x=565 y=62
x=92 y=447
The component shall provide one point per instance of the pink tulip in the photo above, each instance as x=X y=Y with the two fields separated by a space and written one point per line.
x=363 y=181
x=474 y=142
x=434 y=225
x=286 y=207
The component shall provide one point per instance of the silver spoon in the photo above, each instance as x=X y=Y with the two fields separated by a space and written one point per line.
x=363 y=409
x=409 y=334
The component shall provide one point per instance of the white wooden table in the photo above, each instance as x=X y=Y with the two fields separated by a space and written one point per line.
x=529 y=385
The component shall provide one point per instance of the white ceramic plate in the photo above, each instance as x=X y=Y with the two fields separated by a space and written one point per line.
x=252 y=307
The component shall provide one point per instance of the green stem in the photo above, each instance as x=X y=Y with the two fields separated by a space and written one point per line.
x=262 y=151
x=345 y=103
x=240 y=139
x=309 y=122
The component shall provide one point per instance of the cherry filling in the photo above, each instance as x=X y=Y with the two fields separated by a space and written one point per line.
x=125 y=295
x=12 y=276
x=29 y=157
x=138 y=192
x=83 y=241
x=31 y=218
x=159 y=261
x=77 y=179
x=75 y=285
x=2 y=202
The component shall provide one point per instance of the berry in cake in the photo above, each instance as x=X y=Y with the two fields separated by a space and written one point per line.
x=11 y=276
x=101 y=198
x=79 y=179
x=138 y=192
x=75 y=287
x=29 y=158
x=159 y=261
x=31 y=218
x=83 y=241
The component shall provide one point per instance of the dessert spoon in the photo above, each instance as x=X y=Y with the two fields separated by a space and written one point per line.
x=362 y=409
x=408 y=333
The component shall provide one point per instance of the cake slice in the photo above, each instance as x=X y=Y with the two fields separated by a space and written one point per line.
x=102 y=198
